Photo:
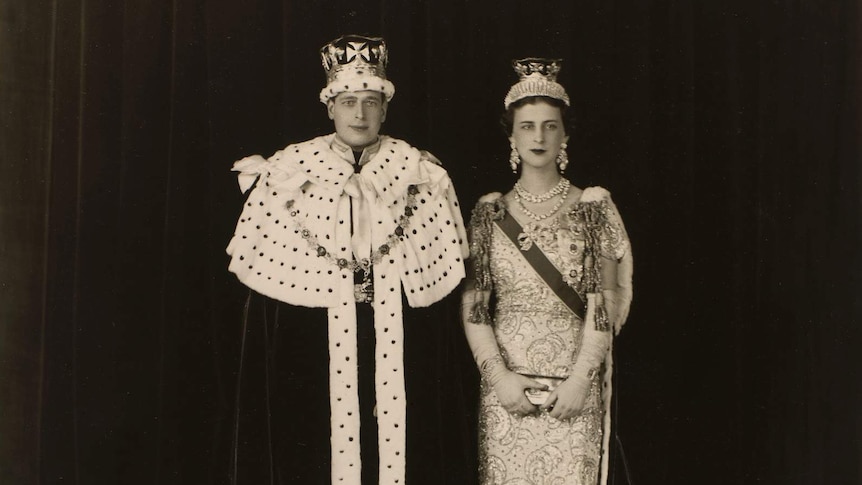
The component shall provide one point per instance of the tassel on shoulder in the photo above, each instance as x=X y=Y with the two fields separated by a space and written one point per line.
x=593 y=215
x=479 y=313
x=489 y=209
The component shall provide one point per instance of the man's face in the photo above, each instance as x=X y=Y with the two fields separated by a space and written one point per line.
x=358 y=116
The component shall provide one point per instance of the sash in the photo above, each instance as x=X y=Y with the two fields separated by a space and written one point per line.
x=544 y=268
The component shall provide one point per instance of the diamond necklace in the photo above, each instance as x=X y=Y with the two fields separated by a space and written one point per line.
x=542 y=217
x=537 y=199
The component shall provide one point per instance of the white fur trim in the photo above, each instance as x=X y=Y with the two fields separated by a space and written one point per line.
x=594 y=194
x=358 y=83
x=490 y=197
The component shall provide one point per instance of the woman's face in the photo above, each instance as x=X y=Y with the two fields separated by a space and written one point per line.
x=537 y=133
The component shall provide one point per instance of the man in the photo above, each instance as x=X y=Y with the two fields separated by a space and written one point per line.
x=332 y=230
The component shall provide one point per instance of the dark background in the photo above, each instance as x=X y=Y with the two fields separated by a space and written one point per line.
x=728 y=132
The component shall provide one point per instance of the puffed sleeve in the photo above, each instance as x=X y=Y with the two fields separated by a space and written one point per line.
x=613 y=237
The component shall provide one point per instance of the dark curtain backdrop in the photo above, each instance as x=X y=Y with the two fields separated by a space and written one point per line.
x=728 y=132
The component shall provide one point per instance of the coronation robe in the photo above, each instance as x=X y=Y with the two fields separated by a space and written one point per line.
x=330 y=393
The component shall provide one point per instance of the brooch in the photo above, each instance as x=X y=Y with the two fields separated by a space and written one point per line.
x=524 y=241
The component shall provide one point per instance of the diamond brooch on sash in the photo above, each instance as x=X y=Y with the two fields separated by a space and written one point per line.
x=544 y=235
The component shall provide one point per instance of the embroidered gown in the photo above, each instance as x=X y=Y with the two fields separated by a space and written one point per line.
x=538 y=334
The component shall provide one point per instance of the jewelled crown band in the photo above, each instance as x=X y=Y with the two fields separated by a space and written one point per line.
x=538 y=77
x=355 y=63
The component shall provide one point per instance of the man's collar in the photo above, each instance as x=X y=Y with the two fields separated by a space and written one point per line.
x=346 y=152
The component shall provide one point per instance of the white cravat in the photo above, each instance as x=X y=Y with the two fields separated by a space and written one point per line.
x=362 y=194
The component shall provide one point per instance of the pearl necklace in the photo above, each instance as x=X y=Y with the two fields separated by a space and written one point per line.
x=541 y=217
x=538 y=199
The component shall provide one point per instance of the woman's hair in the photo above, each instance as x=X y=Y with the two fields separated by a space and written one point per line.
x=508 y=118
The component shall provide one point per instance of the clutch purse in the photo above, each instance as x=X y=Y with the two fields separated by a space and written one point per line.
x=538 y=396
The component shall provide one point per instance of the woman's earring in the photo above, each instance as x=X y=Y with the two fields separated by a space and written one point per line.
x=514 y=159
x=563 y=158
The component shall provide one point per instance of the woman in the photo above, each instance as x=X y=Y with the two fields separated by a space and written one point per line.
x=555 y=261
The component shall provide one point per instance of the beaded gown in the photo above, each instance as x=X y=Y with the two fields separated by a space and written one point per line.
x=539 y=335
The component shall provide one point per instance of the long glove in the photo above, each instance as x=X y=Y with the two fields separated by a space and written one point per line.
x=568 y=399
x=509 y=386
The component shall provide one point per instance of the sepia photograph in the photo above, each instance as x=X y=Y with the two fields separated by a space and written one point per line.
x=430 y=242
